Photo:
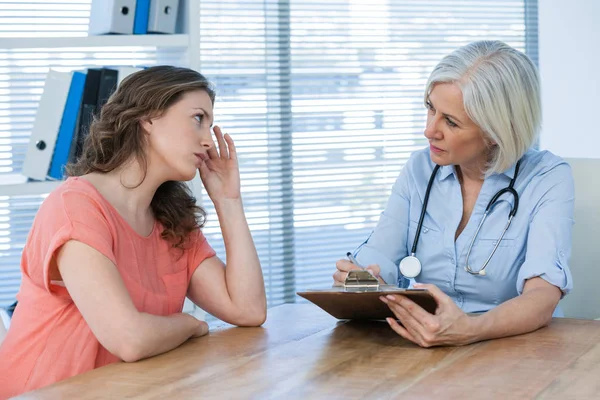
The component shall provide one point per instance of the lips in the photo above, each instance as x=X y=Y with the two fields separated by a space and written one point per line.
x=435 y=149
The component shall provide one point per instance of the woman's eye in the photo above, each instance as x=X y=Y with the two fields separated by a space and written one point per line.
x=199 y=117
x=450 y=123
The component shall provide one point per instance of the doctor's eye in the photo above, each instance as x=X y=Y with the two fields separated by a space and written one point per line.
x=450 y=123
x=429 y=106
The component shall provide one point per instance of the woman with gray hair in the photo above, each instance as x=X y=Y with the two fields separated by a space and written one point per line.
x=479 y=218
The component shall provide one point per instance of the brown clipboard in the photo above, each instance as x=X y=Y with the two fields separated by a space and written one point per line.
x=359 y=298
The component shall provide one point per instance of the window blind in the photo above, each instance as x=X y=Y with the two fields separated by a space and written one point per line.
x=16 y=215
x=324 y=99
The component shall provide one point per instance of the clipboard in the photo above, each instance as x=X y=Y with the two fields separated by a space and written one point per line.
x=358 y=298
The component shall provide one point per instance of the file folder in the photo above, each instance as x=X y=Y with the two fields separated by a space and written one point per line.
x=108 y=84
x=111 y=16
x=140 y=22
x=163 y=16
x=86 y=112
x=358 y=298
x=67 y=127
x=47 y=123
x=100 y=83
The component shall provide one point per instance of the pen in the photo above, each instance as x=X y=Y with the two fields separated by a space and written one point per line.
x=353 y=260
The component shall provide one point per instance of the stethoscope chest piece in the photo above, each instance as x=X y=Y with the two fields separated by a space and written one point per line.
x=410 y=266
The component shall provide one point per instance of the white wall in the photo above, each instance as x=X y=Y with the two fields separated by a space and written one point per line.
x=569 y=58
x=583 y=301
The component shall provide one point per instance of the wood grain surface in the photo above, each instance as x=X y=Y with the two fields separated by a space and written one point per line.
x=303 y=353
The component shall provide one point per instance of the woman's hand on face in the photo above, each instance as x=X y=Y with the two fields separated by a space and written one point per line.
x=220 y=173
x=449 y=326
x=345 y=266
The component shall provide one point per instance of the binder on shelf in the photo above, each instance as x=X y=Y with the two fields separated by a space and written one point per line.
x=163 y=16
x=102 y=83
x=47 y=123
x=108 y=85
x=86 y=112
x=68 y=125
x=112 y=16
x=140 y=22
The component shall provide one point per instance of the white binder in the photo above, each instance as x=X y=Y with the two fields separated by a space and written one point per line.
x=47 y=123
x=111 y=16
x=163 y=16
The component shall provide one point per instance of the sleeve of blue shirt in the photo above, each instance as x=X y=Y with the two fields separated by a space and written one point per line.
x=550 y=227
x=386 y=245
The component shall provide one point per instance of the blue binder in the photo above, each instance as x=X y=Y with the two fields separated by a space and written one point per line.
x=67 y=126
x=142 y=13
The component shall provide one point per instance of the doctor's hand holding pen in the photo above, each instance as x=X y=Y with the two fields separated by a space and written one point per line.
x=345 y=266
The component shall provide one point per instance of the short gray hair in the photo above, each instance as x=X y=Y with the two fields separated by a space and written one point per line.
x=501 y=94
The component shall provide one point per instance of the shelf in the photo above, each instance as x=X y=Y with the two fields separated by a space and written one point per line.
x=96 y=41
x=17 y=185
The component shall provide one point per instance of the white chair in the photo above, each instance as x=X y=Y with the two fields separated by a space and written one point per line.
x=584 y=300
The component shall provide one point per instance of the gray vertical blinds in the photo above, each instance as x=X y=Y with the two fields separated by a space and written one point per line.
x=323 y=98
x=325 y=102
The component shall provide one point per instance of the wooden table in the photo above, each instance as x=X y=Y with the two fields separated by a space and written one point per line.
x=303 y=353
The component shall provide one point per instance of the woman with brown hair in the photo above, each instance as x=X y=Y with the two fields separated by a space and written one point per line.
x=116 y=248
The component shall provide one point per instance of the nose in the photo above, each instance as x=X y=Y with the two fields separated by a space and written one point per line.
x=431 y=129
x=206 y=139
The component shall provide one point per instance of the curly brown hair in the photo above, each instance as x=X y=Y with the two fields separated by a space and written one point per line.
x=116 y=135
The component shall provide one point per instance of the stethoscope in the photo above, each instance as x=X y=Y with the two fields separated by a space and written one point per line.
x=410 y=266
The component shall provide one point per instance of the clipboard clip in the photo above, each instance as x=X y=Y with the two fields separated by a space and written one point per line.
x=361 y=280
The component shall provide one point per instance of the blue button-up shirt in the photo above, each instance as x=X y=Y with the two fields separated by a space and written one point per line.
x=538 y=242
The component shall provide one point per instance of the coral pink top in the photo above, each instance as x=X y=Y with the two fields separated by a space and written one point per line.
x=48 y=339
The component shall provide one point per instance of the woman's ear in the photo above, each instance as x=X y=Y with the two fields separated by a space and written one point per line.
x=146 y=124
x=489 y=142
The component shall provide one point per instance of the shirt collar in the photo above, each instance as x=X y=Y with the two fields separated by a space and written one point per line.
x=447 y=170
x=510 y=171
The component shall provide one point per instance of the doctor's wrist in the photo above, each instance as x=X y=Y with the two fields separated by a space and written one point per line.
x=476 y=328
